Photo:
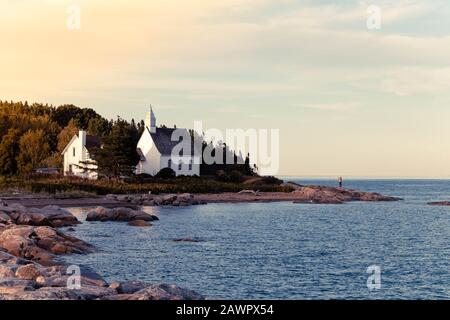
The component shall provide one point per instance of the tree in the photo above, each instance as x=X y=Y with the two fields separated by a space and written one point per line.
x=166 y=173
x=33 y=149
x=66 y=135
x=99 y=127
x=118 y=155
x=9 y=149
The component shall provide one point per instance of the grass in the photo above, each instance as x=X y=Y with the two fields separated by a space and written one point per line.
x=70 y=187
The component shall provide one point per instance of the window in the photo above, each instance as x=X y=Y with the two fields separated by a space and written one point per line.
x=180 y=165
x=73 y=152
x=70 y=169
x=169 y=163
x=190 y=165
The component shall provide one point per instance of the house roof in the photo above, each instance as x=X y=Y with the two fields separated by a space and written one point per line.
x=92 y=142
x=163 y=140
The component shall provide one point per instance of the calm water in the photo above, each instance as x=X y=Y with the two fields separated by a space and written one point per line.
x=286 y=250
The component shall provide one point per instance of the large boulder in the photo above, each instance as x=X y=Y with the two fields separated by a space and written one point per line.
x=47 y=216
x=139 y=223
x=119 y=214
x=165 y=292
x=7 y=271
x=27 y=272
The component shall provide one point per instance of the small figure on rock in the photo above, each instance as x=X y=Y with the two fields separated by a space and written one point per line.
x=340 y=180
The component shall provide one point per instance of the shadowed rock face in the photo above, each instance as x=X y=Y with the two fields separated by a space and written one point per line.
x=52 y=216
x=439 y=203
x=176 y=200
x=330 y=195
x=119 y=214
x=28 y=270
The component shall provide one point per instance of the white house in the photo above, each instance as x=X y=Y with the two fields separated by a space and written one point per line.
x=77 y=161
x=161 y=148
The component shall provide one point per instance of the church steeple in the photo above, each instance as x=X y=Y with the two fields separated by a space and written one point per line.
x=150 y=120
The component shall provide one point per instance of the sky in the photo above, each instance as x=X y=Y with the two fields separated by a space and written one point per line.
x=347 y=100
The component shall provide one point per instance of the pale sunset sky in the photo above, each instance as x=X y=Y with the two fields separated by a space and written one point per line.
x=348 y=100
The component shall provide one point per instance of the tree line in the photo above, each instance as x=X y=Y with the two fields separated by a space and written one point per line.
x=34 y=135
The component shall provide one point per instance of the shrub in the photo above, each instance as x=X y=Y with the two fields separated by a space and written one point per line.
x=271 y=180
x=166 y=173
x=222 y=176
x=236 y=176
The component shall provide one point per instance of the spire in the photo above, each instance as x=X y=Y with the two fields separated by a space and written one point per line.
x=150 y=120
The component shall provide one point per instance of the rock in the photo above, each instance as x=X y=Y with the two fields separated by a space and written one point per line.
x=249 y=192
x=111 y=197
x=27 y=272
x=186 y=240
x=39 y=243
x=139 y=223
x=439 y=203
x=165 y=292
x=122 y=214
x=61 y=293
x=7 y=271
x=331 y=195
x=12 y=286
x=62 y=280
x=168 y=199
x=45 y=232
x=4 y=218
x=119 y=214
x=47 y=216
x=176 y=203
x=186 y=197
x=115 y=286
x=59 y=249
x=123 y=198
x=130 y=287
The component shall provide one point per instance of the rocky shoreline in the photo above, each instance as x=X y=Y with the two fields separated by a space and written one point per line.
x=300 y=194
x=439 y=203
x=30 y=243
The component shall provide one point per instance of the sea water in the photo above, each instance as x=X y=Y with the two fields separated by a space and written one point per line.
x=286 y=250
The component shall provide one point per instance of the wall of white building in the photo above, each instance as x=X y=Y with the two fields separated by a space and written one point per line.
x=151 y=165
x=74 y=156
x=185 y=165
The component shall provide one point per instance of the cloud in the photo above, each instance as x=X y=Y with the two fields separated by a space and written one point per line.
x=339 y=106
x=417 y=80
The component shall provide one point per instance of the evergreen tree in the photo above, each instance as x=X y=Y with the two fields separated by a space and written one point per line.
x=9 y=150
x=118 y=156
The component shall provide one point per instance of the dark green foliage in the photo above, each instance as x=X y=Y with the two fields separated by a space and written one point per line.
x=9 y=148
x=166 y=173
x=118 y=155
x=24 y=127
x=56 y=185
x=236 y=176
